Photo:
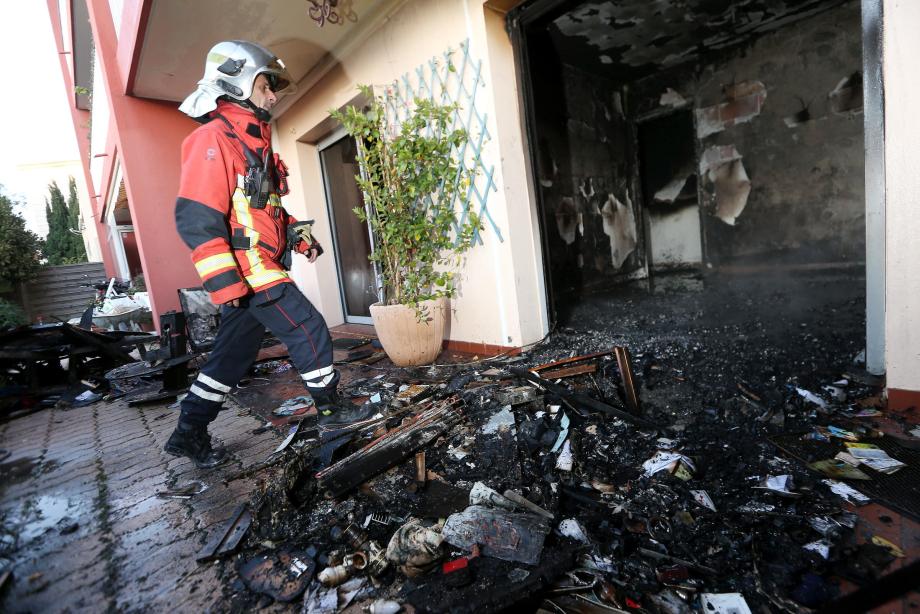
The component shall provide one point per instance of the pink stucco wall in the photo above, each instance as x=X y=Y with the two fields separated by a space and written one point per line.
x=145 y=137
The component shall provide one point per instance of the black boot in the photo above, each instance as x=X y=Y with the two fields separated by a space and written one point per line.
x=195 y=443
x=333 y=409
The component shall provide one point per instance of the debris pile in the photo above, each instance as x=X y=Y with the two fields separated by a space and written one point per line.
x=48 y=365
x=563 y=484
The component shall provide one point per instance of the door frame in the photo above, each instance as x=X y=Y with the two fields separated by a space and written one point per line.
x=333 y=138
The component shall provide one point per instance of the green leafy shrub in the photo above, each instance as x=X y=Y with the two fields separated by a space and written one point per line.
x=414 y=183
x=19 y=248
x=11 y=315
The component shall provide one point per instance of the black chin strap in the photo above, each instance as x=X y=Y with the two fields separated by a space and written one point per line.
x=261 y=114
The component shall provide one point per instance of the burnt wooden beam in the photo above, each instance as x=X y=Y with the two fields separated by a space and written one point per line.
x=581 y=399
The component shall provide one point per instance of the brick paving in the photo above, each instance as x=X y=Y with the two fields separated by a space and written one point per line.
x=96 y=470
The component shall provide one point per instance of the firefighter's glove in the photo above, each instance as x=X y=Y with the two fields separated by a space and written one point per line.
x=300 y=239
x=300 y=231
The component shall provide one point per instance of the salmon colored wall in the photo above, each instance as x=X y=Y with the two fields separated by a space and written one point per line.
x=148 y=137
x=81 y=123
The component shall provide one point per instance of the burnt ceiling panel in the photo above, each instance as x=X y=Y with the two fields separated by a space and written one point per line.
x=628 y=39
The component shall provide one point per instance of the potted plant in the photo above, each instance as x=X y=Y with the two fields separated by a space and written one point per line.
x=414 y=182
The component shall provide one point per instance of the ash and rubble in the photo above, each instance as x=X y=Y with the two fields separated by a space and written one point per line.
x=578 y=515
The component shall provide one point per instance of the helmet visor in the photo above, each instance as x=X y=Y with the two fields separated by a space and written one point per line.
x=278 y=77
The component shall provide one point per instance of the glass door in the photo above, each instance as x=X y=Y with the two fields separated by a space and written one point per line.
x=351 y=238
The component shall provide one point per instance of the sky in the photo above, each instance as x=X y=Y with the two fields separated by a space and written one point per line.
x=37 y=123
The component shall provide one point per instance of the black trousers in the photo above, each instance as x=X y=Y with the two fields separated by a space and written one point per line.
x=287 y=313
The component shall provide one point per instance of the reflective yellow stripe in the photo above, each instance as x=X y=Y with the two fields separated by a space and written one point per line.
x=265 y=277
x=244 y=217
x=256 y=272
x=214 y=263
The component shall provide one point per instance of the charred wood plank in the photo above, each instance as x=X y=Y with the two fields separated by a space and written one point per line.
x=580 y=399
x=570 y=371
x=624 y=362
x=390 y=449
x=570 y=360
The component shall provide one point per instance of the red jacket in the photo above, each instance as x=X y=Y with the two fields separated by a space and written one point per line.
x=237 y=249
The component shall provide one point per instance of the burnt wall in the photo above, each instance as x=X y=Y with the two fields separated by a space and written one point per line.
x=779 y=141
x=585 y=170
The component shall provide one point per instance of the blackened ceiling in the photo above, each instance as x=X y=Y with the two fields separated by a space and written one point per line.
x=627 y=39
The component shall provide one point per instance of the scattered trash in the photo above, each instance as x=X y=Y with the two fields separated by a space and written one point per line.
x=812 y=398
x=509 y=536
x=463 y=471
x=183 y=491
x=724 y=603
x=415 y=549
x=571 y=529
x=847 y=492
x=779 y=484
x=667 y=461
x=872 y=456
x=225 y=539
x=702 y=497
x=893 y=549
x=282 y=575
x=294 y=407
x=566 y=460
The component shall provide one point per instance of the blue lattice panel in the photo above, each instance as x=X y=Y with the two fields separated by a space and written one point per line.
x=454 y=77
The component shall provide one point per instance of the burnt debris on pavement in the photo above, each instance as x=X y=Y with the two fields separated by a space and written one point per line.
x=685 y=456
x=63 y=365
x=629 y=481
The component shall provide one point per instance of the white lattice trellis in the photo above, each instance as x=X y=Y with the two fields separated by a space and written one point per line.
x=447 y=82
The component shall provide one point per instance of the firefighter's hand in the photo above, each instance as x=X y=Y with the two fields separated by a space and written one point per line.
x=313 y=253
x=234 y=303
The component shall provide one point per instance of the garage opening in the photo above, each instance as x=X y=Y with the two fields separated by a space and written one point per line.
x=708 y=145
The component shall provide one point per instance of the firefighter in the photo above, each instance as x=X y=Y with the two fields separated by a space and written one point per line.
x=229 y=213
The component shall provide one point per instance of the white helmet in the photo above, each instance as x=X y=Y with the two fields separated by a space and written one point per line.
x=230 y=70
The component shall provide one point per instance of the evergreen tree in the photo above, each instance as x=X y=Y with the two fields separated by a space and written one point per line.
x=77 y=250
x=19 y=248
x=56 y=214
x=64 y=244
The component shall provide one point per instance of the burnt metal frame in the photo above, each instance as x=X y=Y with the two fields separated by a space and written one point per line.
x=874 y=135
x=518 y=21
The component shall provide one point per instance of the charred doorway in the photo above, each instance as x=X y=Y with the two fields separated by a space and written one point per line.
x=671 y=210
x=697 y=136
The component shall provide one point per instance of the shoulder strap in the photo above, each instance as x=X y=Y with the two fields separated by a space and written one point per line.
x=252 y=158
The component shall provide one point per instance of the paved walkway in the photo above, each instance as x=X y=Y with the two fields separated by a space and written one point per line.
x=80 y=514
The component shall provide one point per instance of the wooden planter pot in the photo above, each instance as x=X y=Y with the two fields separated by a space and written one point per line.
x=406 y=340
